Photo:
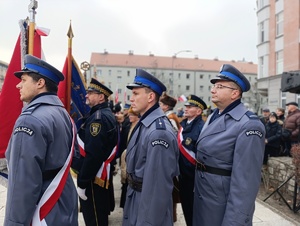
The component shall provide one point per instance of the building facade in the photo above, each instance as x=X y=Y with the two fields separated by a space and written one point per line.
x=182 y=76
x=278 y=48
x=3 y=69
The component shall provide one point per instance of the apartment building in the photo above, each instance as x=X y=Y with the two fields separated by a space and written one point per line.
x=182 y=76
x=278 y=48
x=3 y=69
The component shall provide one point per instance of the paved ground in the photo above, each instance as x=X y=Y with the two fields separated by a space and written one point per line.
x=265 y=215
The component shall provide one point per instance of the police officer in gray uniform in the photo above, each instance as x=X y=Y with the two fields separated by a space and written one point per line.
x=38 y=149
x=152 y=157
x=229 y=156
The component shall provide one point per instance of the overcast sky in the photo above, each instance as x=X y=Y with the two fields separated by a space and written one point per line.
x=226 y=29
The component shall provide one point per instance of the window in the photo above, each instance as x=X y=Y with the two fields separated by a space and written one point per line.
x=201 y=76
x=261 y=67
x=109 y=72
x=187 y=88
x=279 y=23
x=187 y=76
x=209 y=88
x=260 y=4
x=279 y=62
x=201 y=88
x=128 y=73
x=119 y=90
x=262 y=32
x=179 y=75
x=99 y=72
x=119 y=79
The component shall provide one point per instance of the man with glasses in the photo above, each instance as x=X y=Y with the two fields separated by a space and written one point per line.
x=187 y=138
x=99 y=134
x=229 y=157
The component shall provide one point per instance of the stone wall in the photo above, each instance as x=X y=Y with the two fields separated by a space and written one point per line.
x=278 y=171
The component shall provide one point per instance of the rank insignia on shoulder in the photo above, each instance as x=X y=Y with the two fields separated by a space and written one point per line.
x=24 y=129
x=95 y=129
x=160 y=142
x=254 y=132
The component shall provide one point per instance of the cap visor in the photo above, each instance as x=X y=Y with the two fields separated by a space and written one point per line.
x=133 y=85
x=18 y=74
x=220 y=77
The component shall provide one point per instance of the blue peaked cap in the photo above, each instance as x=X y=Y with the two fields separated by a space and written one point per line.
x=230 y=73
x=144 y=79
x=33 y=64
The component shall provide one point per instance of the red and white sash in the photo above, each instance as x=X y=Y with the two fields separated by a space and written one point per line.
x=103 y=174
x=54 y=190
x=189 y=155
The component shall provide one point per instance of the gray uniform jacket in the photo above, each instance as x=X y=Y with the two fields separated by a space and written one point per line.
x=152 y=157
x=39 y=146
x=234 y=141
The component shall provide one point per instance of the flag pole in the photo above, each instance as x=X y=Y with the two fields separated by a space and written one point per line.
x=31 y=8
x=69 y=77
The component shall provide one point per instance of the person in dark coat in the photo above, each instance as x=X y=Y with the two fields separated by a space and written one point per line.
x=292 y=123
x=133 y=120
x=99 y=134
x=273 y=137
x=187 y=138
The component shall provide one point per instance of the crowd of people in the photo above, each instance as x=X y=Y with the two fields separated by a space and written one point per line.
x=206 y=164
x=282 y=130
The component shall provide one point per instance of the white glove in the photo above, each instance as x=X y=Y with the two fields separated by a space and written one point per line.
x=81 y=193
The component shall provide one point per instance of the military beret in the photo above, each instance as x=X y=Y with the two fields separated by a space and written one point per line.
x=99 y=87
x=168 y=100
x=144 y=79
x=195 y=101
x=35 y=65
x=230 y=73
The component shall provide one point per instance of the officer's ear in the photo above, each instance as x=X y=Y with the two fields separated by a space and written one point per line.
x=151 y=96
x=41 y=82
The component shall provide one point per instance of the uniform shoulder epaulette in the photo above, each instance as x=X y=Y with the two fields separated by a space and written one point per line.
x=251 y=115
x=98 y=115
x=160 y=124
x=30 y=110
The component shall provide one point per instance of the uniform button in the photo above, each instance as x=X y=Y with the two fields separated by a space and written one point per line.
x=204 y=157
x=200 y=196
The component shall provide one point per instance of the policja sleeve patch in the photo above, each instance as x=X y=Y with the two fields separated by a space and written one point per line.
x=23 y=129
x=254 y=132
x=160 y=142
x=95 y=128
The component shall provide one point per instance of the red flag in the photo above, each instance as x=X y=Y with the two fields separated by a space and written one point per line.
x=125 y=99
x=10 y=103
x=117 y=95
